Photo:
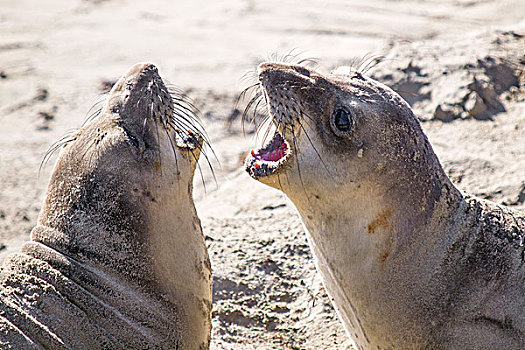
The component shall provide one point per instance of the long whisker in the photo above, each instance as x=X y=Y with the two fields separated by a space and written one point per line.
x=203 y=152
x=245 y=92
x=185 y=121
x=249 y=76
x=268 y=129
x=255 y=110
x=187 y=116
x=246 y=110
x=179 y=124
x=309 y=62
x=158 y=137
x=93 y=114
x=293 y=56
x=294 y=140
x=372 y=62
x=185 y=113
x=64 y=140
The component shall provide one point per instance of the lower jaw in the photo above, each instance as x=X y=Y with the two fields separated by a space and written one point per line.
x=261 y=169
x=258 y=169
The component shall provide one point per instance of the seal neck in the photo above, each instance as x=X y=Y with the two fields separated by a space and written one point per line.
x=137 y=229
x=379 y=217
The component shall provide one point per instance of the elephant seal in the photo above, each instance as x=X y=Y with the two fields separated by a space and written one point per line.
x=408 y=260
x=117 y=259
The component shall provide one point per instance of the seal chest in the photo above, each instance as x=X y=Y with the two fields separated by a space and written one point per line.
x=118 y=259
x=409 y=261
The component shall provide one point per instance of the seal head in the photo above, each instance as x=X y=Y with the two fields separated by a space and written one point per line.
x=118 y=247
x=384 y=222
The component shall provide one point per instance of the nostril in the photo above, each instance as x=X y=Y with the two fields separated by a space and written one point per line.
x=302 y=71
x=150 y=67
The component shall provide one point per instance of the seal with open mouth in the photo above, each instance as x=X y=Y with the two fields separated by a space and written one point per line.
x=117 y=259
x=409 y=261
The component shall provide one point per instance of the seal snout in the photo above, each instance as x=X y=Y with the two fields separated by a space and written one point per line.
x=137 y=76
x=272 y=72
x=149 y=110
x=281 y=85
x=143 y=68
x=142 y=96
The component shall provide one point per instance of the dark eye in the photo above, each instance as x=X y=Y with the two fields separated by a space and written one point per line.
x=342 y=119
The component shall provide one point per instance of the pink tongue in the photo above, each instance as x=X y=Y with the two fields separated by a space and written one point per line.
x=274 y=155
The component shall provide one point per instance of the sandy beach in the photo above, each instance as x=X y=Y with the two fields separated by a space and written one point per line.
x=460 y=64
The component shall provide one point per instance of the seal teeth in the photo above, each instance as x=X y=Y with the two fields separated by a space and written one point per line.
x=268 y=159
x=188 y=139
x=274 y=151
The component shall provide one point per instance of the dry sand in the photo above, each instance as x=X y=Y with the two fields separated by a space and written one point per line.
x=460 y=64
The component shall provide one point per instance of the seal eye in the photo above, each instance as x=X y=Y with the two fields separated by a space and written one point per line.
x=342 y=120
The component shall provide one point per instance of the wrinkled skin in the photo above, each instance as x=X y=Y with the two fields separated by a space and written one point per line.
x=118 y=258
x=409 y=261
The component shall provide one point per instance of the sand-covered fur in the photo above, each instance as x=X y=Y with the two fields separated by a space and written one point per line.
x=409 y=260
x=118 y=258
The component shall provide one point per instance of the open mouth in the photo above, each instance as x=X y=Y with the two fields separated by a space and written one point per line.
x=270 y=158
x=188 y=139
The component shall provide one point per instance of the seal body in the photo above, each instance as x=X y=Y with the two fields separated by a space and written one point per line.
x=409 y=261
x=118 y=259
